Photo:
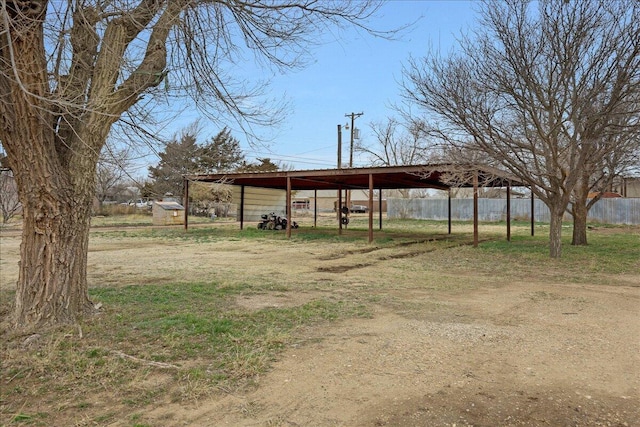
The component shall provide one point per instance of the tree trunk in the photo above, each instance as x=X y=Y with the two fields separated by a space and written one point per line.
x=56 y=195
x=555 y=233
x=56 y=192
x=52 y=284
x=579 y=211
x=55 y=177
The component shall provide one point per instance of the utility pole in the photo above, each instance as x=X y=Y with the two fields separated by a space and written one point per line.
x=339 y=202
x=339 y=147
x=353 y=117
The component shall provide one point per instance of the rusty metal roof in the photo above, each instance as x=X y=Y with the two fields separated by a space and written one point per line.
x=390 y=177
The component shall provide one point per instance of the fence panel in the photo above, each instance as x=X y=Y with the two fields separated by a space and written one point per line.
x=608 y=211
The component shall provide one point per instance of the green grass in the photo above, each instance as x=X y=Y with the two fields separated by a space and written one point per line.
x=608 y=253
x=200 y=320
x=206 y=340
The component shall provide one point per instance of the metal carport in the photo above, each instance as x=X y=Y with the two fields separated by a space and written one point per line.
x=380 y=178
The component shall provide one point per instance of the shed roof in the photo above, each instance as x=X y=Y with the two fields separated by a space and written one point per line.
x=170 y=206
x=390 y=177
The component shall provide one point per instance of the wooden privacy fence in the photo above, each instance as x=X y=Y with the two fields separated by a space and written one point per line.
x=608 y=211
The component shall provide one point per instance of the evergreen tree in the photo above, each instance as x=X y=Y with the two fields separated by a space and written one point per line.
x=180 y=157
x=221 y=154
x=263 y=165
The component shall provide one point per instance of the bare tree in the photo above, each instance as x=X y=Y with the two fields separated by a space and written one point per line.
x=9 y=202
x=210 y=199
x=541 y=88
x=396 y=144
x=111 y=172
x=611 y=157
x=462 y=164
x=70 y=70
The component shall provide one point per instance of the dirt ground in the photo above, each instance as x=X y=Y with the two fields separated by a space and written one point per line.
x=447 y=345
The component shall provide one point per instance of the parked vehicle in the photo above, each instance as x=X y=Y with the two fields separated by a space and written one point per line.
x=359 y=209
x=140 y=204
x=274 y=222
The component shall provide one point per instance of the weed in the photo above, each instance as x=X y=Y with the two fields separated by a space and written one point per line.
x=22 y=418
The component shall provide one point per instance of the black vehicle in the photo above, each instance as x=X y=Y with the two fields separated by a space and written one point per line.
x=274 y=222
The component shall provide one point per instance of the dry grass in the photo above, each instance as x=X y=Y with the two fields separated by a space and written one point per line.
x=187 y=315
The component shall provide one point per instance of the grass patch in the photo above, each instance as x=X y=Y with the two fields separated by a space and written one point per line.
x=606 y=253
x=187 y=321
x=194 y=333
x=394 y=231
x=132 y=217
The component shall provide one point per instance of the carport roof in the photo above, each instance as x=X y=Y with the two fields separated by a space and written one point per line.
x=390 y=177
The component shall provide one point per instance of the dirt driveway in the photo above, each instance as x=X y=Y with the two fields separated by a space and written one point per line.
x=522 y=354
x=449 y=343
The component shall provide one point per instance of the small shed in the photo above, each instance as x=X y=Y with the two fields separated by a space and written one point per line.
x=168 y=213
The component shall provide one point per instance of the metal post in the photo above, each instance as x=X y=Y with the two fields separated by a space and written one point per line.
x=508 y=212
x=339 y=210
x=533 y=207
x=370 y=208
x=475 y=209
x=241 y=207
x=186 y=204
x=289 y=211
x=315 y=208
x=380 y=208
x=449 y=212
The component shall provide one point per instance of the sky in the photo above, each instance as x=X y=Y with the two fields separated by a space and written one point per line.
x=356 y=73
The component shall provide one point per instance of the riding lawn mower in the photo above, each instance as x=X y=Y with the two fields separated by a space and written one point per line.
x=274 y=222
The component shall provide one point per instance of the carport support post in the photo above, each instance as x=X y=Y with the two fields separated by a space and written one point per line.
x=508 y=212
x=449 y=210
x=370 y=208
x=289 y=210
x=475 y=209
x=315 y=208
x=380 y=208
x=185 y=185
x=533 y=208
x=241 y=207
x=339 y=210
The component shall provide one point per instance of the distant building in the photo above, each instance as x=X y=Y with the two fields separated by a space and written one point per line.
x=627 y=186
x=327 y=200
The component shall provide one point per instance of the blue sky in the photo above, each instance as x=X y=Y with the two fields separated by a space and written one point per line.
x=355 y=73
